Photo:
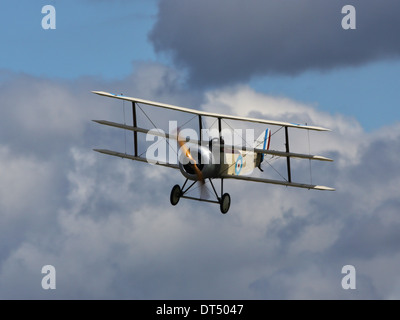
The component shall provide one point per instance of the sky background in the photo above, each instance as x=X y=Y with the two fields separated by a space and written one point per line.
x=106 y=224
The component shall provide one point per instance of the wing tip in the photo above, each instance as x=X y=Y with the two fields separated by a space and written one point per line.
x=107 y=94
x=322 y=158
x=307 y=127
x=319 y=128
x=323 y=188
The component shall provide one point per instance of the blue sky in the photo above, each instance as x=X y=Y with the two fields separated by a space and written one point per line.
x=92 y=38
x=103 y=39
x=369 y=93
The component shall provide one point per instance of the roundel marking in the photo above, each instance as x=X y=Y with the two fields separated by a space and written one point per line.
x=238 y=164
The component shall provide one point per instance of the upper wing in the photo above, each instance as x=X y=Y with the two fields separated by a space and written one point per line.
x=210 y=114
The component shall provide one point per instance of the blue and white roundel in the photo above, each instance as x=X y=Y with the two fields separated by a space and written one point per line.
x=238 y=164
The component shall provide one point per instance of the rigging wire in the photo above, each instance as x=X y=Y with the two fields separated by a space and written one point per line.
x=195 y=116
x=276 y=170
x=241 y=136
x=244 y=156
x=176 y=152
x=156 y=127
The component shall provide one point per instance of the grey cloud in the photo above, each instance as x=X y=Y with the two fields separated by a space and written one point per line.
x=230 y=41
x=107 y=226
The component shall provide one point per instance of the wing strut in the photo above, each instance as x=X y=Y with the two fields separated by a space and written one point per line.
x=135 y=144
x=288 y=158
x=200 y=128
x=245 y=148
x=221 y=140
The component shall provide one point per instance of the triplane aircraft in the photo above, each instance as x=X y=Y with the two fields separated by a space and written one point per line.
x=202 y=160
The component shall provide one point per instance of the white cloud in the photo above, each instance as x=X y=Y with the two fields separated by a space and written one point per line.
x=23 y=181
x=346 y=133
x=107 y=226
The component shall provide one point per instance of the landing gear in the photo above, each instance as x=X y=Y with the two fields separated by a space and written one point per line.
x=225 y=203
x=176 y=194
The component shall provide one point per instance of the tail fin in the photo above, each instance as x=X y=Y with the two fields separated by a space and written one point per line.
x=262 y=142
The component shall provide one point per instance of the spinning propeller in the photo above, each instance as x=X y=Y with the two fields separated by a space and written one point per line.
x=193 y=162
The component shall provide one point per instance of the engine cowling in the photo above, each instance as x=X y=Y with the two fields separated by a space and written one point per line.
x=204 y=159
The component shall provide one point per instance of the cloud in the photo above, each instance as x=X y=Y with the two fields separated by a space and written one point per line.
x=308 y=237
x=231 y=41
x=108 y=228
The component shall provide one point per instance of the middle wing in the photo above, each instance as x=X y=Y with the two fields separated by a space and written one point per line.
x=131 y=157
x=243 y=148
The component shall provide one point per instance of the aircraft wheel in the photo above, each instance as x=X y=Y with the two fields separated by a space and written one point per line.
x=225 y=203
x=175 y=194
